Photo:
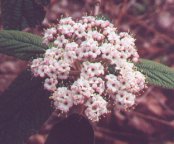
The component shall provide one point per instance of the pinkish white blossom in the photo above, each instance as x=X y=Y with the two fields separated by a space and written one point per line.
x=81 y=90
x=124 y=100
x=96 y=107
x=90 y=65
x=62 y=99
x=92 y=69
x=97 y=84
x=50 y=84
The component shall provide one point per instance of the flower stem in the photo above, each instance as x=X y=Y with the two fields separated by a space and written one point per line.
x=97 y=5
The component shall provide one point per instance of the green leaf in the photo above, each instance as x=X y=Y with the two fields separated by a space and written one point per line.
x=157 y=74
x=19 y=14
x=103 y=17
x=21 y=44
x=24 y=107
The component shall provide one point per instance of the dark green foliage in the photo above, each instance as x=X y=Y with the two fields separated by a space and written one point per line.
x=21 y=44
x=18 y=14
x=103 y=17
x=24 y=107
x=112 y=70
x=156 y=73
x=27 y=46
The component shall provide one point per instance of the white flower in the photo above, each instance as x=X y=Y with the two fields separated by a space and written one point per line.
x=62 y=69
x=70 y=56
x=113 y=38
x=53 y=53
x=96 y=107
x=93 y=62
x=88 y=19
x=88 y=49
x=127 y=40
x=72 y=46
x=62 y=99
x=50 y=84
x=49 y=35
x=92 y=69
x=60 y=41
x=124 y=100
x=66 y=29
x=113 y=84
x=97 y=84
x=109 y=30
x=82 y=89
x=67 y=20
x=95 y=35
x=79 y=30
x=107 y=50
x=35 y=65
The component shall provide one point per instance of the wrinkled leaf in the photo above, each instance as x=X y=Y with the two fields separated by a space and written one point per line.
x=21 y=45
x=157 y=74
x=24 y=107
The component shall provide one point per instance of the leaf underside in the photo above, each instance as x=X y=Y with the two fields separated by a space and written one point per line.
x=21 y=45
x=157 y=74
x=24 y=107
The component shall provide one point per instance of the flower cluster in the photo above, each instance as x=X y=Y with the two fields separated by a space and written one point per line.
x=97 y=60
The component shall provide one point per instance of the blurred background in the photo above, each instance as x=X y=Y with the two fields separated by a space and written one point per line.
x=152 y=24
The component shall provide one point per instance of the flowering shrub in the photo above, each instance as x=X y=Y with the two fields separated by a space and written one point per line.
x=90 y=65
